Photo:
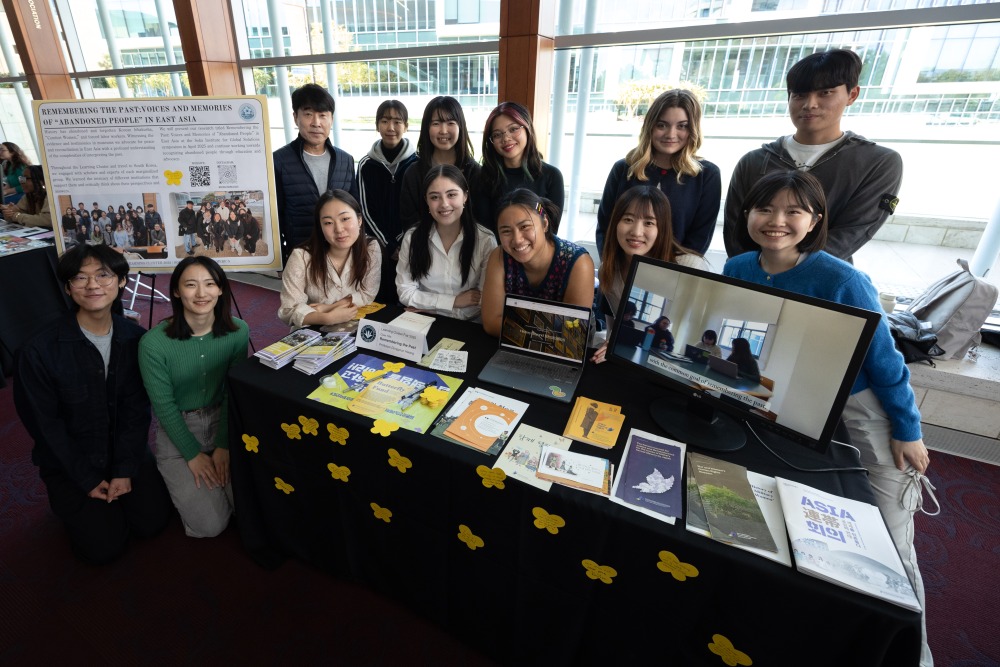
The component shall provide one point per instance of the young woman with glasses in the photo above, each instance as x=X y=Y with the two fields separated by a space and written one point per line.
x=511 y=160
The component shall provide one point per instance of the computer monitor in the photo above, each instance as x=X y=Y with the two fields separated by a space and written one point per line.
x=806 y=355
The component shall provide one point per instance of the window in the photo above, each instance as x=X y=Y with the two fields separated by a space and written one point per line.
x=648 y=306
x=754 y=332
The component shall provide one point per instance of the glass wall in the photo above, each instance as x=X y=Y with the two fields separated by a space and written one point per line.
x=119 y=35
x=610 y=16
x=16 y=123
x=427 y=29
x=930 y=93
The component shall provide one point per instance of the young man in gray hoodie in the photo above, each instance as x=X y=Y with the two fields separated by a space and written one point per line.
x=861 y=180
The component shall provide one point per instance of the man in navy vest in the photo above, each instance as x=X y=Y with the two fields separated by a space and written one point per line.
x=308 y=166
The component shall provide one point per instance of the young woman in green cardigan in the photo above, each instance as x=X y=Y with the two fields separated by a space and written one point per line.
x=184 y=361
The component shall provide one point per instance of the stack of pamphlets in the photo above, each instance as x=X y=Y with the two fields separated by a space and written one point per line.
x=284 y=351
x=324 y=351
x=594 y=422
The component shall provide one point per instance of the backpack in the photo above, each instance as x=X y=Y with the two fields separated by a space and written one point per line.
x=914 y=341
x=955 y=308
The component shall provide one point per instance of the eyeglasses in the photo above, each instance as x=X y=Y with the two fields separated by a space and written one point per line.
x=102 y=278
x=22 y=179
x=498 y=135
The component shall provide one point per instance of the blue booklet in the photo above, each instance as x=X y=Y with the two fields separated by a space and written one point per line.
x=650 y=476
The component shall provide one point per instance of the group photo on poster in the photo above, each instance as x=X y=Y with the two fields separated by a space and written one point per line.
x=160 y=180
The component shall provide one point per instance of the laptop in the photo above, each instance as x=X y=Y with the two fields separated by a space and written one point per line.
x=543 y=347
x=696 y=353
x=720 y=365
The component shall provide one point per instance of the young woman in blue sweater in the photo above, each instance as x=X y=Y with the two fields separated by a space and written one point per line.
x=785 y=220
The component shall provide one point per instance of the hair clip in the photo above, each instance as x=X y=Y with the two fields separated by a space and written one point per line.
x=541 y=211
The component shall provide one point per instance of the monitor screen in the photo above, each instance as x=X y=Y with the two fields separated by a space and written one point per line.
x=785 y=362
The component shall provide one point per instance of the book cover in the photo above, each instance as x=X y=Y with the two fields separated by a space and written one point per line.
x=581 y=471
x=766 y=492
x=386 y=390
x=513 y=410
x=594 y=422
x=649 y=476
x=730 y=505
x=845 y=542
x=520 y=457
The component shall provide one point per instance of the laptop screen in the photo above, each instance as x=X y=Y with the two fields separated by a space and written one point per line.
x=546 y=328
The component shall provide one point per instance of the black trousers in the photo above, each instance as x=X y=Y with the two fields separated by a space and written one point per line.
x=99 y=530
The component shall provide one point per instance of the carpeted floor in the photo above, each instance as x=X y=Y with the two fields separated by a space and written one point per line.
x=175 y=601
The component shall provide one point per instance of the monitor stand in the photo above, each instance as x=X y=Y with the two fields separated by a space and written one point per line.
x=697 y=424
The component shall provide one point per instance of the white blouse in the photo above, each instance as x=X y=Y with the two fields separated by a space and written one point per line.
x=298 y=290
x=436 y=291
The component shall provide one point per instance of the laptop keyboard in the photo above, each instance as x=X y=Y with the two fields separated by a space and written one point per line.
x=518 y=363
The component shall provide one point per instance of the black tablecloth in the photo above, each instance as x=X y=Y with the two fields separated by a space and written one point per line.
x=524 y=596
x=32 y=296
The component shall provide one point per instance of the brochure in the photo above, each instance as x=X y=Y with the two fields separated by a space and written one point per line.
x=481 y=420
x=391 y=391
x=520 y=457
x=594 y=422
x=730 y=505
x=580 y=471
x=649 y=476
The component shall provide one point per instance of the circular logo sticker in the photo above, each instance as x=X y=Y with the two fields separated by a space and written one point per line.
x=247 y=112
x=367 y=333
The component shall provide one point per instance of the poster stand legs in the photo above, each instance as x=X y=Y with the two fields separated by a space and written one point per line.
x=153 y=295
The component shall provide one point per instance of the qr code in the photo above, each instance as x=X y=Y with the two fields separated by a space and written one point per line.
x=227 y=173
x=201 y=175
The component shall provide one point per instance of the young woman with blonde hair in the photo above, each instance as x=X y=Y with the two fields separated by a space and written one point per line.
x=667 y=158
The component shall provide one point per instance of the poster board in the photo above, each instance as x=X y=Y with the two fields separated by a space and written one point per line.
x=164 y=151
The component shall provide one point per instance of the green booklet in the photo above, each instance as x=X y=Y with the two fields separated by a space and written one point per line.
x=731 y=508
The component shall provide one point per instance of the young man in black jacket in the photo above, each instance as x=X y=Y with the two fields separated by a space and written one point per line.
x=79 y=394
x=308 y=166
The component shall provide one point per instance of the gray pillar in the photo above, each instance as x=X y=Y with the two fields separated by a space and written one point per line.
x=23 y=100
x=560 y=88
x=331 y=68
x=988 y=249
x=281 y=72
x=175 y=78
x=113 y=52
x=582 y=103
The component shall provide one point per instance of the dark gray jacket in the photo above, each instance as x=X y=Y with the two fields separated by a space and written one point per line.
x=861 y=181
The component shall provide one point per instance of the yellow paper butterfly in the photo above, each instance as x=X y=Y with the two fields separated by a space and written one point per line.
x=472 y=541
x=492 y=477
x=398 y=461
x=602 y=573
x=433 y=396
x=173 y=177
x=251 y=443
x=309 y=425
x=673 y=566
x=381 y=513
x=292 y=431
x=371 y=375
x=393 y=366
x=338 y=472
x=722 y=647
x=282 y=485
x=384 y=428
x=338 y=435
x=546 y=521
